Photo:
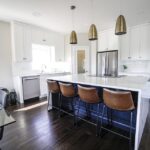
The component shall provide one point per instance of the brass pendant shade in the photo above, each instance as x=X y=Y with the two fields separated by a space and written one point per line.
x=121 y=26
x=93 y=33
x=73 y=38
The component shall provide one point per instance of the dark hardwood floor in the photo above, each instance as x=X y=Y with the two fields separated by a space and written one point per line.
x=38 y=129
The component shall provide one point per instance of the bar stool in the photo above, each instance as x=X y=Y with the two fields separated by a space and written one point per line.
x=68 y=91
x=89 y=95
x=53 y=88
x=119 y=101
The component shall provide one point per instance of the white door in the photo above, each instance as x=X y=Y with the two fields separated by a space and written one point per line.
x=80 y=59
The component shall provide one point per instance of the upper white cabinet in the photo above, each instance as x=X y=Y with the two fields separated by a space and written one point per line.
x=108 y=41
x=135 y=44
x=125 y=46
x=145 y=42
x=40 y=36
x=21 y=42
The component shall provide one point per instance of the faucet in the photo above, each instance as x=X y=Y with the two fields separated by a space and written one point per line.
x=43 y=67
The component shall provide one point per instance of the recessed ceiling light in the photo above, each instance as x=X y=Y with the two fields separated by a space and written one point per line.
x=36 y=14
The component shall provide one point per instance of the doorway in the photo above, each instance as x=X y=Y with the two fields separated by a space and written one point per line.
x=80 y=59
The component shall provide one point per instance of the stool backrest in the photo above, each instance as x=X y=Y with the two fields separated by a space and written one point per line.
x=53 y=86
x=88 y=94
x=118 y=100
x=67 y=89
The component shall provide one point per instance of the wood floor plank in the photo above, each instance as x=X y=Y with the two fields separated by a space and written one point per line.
x=38 y=129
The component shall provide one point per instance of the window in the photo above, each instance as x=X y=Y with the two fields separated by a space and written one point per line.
x=42 y=57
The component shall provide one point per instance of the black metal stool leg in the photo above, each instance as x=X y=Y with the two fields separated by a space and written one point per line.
x=130 y=141
x=74 y=119
x=102 y=120
x=1 y=132
x=78 y=109
x=97 y=127
x=60 y=104
x=48 y=99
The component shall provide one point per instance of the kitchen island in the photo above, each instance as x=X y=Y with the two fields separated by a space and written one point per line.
x=136 y=84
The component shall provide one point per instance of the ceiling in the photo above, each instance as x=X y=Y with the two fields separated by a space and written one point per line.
x=56 y=14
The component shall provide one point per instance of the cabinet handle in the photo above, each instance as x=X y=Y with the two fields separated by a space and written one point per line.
x=129 y=57
x=24 y=58
x=44 y=40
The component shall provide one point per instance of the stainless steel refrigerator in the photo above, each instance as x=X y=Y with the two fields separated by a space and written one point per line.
x=107 y=63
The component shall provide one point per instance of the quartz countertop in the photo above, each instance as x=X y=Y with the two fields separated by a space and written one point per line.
x=132 y=83
x=43 y=74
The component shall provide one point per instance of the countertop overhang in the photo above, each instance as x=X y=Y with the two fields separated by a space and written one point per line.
x=131 y=83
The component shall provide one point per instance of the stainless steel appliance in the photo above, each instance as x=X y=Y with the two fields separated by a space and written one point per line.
x=31 y=87
x=107 y=63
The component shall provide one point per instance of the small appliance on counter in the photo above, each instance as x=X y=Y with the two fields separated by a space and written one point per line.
x=107 y=64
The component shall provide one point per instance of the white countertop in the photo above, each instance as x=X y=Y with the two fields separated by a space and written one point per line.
x=43 y=74
x=132 y=83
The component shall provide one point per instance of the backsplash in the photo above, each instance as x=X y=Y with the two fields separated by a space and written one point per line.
x=135 y=66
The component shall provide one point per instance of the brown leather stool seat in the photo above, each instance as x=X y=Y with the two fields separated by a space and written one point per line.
x=89 y=96
x=119 y=101
x=68 y=91
x=53 y=88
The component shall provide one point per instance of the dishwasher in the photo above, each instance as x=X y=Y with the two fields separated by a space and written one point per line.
x=31 y=87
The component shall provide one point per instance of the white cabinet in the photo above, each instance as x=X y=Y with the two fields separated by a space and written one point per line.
x=21 y=42
x=103 y=41
x=40 y=36
x=125 y=46
x=145 y=42
x=108 y=41
x=135 y=44
x=43 y=85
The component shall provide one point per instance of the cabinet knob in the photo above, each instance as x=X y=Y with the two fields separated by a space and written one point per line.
x=24 y=58
x=44 y=40
x=129 y=57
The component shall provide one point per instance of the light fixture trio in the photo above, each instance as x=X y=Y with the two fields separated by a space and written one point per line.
x=120 y=28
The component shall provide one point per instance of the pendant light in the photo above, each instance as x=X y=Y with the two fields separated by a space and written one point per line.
x=121 y=27
x=92 y=31
x=73 y=35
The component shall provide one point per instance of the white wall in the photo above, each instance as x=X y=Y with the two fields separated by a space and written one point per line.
x=5 y=56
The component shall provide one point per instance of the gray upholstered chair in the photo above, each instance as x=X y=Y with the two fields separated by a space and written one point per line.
x=3 y=97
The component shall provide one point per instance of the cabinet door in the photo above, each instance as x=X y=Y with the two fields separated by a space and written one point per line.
x=103 y=41
x=27 y=43
x=43 y=85
x=18 y=42
x=145 y=42
x=124 y=46
x=37 y=36
x=135 y=43
x=113 y=43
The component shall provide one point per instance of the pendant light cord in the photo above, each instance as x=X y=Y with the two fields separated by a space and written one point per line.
x=92 y=11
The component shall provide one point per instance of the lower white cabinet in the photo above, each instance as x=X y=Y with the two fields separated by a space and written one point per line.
x=43 y=85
